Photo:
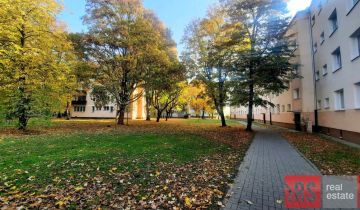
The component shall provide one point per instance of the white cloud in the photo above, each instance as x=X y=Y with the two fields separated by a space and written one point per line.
x=297 y=5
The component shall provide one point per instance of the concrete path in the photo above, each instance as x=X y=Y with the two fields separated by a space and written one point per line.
x=259 y=183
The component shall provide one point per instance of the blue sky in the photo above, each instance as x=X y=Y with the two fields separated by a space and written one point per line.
x=176 y=14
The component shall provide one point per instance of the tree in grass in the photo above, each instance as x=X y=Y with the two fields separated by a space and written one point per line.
x=166 y=94
x=263 y=67
x=158 y=57
x=36 y=59
x=206 y=57
x=119 y=36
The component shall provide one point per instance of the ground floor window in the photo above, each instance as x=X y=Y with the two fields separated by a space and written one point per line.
x=339 y=100
x=327 y=103
x=357 y=95
x=79 y=108
x=289 y=107
x=106 y=108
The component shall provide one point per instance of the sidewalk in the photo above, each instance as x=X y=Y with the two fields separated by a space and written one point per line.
x=259 y=183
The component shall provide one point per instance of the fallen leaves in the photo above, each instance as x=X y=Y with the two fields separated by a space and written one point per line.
x=330 y=157
x=199 y=184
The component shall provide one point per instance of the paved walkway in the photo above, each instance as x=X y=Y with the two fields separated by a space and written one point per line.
x=259 y=184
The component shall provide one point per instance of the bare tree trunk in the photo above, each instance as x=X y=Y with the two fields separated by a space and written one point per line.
x=67 y=110
x=203 y=114
x=121 y=119
x=251 y=103
x=158 y=115
x=167 y=116
x=148 y=102
x=222 y=117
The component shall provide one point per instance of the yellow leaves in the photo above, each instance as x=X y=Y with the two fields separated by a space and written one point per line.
x=79 y=188
x=157 y=173
x=187 y=201
x=63 y=202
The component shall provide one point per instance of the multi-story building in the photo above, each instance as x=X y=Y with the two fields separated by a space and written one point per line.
x=327 y=96
x=83 y=106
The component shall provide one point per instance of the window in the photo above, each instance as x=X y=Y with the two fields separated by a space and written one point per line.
x=355 y=38
x=296 y=94
x=322 y=38
x=317 y=75
x=333 y=22
x=357 y=95
x=337 y=59
x=327 y=103
x=98 y=108
x=79 y=108
x=289 y=107
x=283 y=108
x=112 y=109
x=313 y=20
x=278 y=108
x=319 y=104
x=325 y=70
x=93 y=108
x=339 y=100
x=106 y=108
x=315 y=48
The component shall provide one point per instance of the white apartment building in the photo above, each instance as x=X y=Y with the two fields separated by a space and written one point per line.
x=83 y=106
x=327 y=96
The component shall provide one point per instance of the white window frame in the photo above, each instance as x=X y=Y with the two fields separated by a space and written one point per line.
x=355 y=44
x=339 y=100
x=296 y=93
x=337 y=60
x=325 y=70
x=357 y=95
x=334 y=23
x=327 y=103
x=322 y=38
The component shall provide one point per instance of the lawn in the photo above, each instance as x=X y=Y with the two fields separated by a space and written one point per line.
x=93 y=164
x=331 y=157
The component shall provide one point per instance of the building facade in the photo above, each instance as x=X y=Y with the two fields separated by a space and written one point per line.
x=83 y=106
x=327 y=96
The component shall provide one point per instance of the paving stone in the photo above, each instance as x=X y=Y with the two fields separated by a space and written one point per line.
x=260 y=178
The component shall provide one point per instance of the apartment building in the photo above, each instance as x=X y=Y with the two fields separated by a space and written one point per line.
x=327 y=96
x=83 y=106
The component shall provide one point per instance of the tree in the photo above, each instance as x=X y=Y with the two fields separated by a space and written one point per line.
x=166 y=93
x=36 y=59
x=119 y=36
x=264 y=66
x=205 y=58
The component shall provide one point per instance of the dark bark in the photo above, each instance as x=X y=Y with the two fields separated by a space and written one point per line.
x=159 y=113
x=148 y=102
x=67 y=111
x=23 y=105
x=121 y=114
x=251 y=101
x=203 y=114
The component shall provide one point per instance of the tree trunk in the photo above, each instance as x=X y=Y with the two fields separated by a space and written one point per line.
x=67 y=111
x=121 y=119
x=148 y=102
x=158 y=115
x=23 y=104
x=167 y=116
x=203 y=114
x=251 y=104
x=223 y=120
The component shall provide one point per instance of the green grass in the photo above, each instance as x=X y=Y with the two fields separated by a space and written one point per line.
x=210 y=122
x=33 y=122
x=73 y=157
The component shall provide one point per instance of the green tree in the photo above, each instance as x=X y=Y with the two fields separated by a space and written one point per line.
x=206 y=58
x=119 y=36
x=36 y=59
x=263 y=66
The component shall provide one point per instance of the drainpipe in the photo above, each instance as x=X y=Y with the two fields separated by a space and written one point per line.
x=316 y=127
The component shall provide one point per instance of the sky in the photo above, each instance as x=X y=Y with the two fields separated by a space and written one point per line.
x=176 y=14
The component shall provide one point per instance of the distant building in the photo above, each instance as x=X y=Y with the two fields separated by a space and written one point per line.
x=328 y=94
x=84 y=107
